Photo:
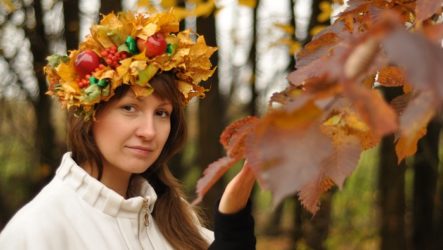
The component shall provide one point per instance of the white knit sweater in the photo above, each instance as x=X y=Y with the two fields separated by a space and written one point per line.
x=76 y=211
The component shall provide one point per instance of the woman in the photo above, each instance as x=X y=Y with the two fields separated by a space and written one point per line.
x=114 y=189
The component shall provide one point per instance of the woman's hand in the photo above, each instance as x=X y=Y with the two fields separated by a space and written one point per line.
x=237 y=192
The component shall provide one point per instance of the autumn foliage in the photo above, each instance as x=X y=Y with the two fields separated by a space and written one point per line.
x=315 y=130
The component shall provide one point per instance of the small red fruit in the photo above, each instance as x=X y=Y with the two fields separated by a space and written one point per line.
x=86 y=62
x=154 y=46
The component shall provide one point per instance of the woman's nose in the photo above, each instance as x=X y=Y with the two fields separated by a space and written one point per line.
x=146 y=127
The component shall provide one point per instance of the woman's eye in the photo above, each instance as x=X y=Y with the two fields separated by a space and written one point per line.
x=128 y=108
x=163 y=113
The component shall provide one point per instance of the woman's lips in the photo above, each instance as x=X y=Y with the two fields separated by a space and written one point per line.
x=140 y=150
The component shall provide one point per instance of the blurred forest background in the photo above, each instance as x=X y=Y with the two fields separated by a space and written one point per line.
x=381 y=206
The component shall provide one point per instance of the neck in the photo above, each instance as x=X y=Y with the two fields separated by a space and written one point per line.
x=112 y=178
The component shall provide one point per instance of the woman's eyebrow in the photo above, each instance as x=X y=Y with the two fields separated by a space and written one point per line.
x=165 y=103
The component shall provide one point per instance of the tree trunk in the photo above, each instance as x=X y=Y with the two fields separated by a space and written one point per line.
x=252 y=105
x=108 y=6
x=176 y=163
x=273 y=225
x=5 y=214
x=211 y=118
x=45 y=147
x=313 y=21
x=297 y=233
x=317 y=230
x=425 y=183
x=391 y=190
x=439 y=212
x=72 y=23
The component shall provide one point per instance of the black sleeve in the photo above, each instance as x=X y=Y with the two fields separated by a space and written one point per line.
x=234 y=231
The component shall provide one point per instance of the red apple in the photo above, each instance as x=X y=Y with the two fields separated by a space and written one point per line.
x=154 y=46
x=86 y=62
x=141 y=44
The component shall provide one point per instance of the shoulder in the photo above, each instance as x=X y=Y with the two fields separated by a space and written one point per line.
x=234 y=231
x=207 y=234
x=40 y=220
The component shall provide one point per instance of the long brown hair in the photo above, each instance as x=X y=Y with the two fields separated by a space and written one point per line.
x=170 y=209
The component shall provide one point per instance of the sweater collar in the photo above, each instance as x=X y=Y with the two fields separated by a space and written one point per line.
x=103 y=198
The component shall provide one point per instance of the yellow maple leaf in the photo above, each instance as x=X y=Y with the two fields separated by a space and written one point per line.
x=293 y=46
x=204 y=9
x=325 y=12
x=287 y=28
x=148 y=31
x=144 y=3
x=166 y=4
x=185 y=88
x=356 y=123
x=166 y=23
x=248 y=3
x=66 y=72
x=142 y=91
x=70 y=87
x=9 y=5
x=100 y=35
x=117 y=30
x=123 y=69
x=189 y=59
x=136 y=67
x=316 y=29
x=360 y=129
x=180 y=13
x=348 y=123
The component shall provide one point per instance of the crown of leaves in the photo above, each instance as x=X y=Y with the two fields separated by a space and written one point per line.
x=129 y=48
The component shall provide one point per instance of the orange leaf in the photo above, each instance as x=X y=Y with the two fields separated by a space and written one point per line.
x=361 y=58
x=211 y=175
x=333 y=169
x=287 y=149
x=421 y=59
x=400 y=103
x=426 y=8
x=391 y=77
x=318 y=46
x=434 y=32
x=233 y=139
x=297 y=117
x=418 y=113
x=407 y=146
x=413 y=122
x=372 y=108
x=310 y=193
x=344 y=159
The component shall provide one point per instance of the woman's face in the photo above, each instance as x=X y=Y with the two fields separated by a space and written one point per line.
x=131 y=132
